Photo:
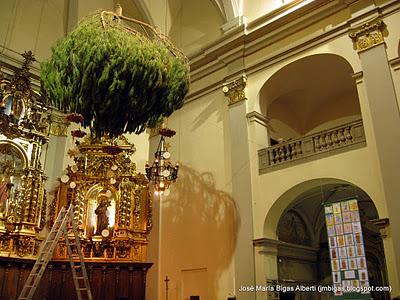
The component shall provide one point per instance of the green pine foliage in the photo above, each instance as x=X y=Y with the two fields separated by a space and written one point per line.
x=119 y=81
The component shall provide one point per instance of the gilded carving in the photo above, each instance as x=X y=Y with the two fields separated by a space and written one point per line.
x=111 y=200
x=58 y=125
x=23 y=136
x=25 y=245
x=368 y=35
x=235 y=90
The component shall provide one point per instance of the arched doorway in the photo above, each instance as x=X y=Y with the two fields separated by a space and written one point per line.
x=303 y=251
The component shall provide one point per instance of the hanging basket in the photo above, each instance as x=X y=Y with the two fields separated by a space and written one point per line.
x=119 y=78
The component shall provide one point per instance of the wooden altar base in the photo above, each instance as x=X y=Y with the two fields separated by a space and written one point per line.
x=108 y=280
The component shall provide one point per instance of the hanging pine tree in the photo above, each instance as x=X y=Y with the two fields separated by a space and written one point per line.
x=120 y=80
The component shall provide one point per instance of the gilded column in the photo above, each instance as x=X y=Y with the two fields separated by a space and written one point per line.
x=370 y=44
x=235 y=91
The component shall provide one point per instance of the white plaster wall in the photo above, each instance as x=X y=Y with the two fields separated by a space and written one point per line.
x=268 y=187
x=359 y=167
x=190 y=30
x=32 y=25
x=392 y=38
x=198 y=228
x=257 y=8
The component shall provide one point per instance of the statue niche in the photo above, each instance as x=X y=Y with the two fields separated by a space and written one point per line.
x=101 y=212
x=102 y=216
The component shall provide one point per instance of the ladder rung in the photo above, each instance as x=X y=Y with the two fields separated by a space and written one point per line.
x=46 y=254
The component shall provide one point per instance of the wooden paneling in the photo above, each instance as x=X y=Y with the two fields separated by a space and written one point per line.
x=107 y=280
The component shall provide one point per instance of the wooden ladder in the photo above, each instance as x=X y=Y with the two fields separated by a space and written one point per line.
x=79 y=274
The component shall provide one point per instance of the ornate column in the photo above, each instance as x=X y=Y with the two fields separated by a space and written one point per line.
x=369 y=41
x=241 y=185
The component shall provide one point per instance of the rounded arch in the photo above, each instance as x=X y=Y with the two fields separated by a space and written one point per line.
x=18 y=149
x=189 y=30
x=307 y=198
x=310 y=94
x=325 y=187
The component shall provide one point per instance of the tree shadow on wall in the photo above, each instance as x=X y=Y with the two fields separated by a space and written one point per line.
x=201 y=223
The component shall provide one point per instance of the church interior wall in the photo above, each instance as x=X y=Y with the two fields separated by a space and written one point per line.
x=34 y=25
x=199 y=218
x=199 y=207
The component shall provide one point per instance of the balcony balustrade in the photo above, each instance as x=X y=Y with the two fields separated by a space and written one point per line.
x=332 y=141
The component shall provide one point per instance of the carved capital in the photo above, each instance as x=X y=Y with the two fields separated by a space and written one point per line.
x=235 y=90
x=155 y=131
x=58 y=124
x=368 y=35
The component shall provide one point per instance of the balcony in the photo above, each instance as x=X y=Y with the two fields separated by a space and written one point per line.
x=325 y=143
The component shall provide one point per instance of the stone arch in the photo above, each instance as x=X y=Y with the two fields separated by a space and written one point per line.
x=308 y=95
x=285 y=201
x=300 y=261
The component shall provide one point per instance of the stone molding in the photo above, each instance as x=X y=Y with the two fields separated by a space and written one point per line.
x=257 y=117
x=258 y=35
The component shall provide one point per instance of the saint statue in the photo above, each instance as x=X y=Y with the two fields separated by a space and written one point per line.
x=5 y=186
x=101 y=212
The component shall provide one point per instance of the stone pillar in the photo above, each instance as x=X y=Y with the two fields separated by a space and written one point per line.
x=241 y=186
x=369 y=41
x=266 y=258
x=55 y=154
x=56 y=151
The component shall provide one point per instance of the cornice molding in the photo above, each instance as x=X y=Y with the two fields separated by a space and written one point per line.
x=395 y=63
x=257 y=117
x=358 y=77
x=242 y=43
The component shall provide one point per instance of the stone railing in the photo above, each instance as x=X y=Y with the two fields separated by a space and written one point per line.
x=321 y=144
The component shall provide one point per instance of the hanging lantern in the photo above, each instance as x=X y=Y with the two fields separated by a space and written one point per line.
x=162 y=173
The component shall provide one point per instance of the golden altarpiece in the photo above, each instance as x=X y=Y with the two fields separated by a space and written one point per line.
x=111 y=201
x=23 y=137
x=112 y=205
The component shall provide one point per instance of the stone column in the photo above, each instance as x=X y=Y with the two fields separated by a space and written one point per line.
x=55 y=154
x=56 y=151
x=369 y=41
x=266 y=258
x=241 y=186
